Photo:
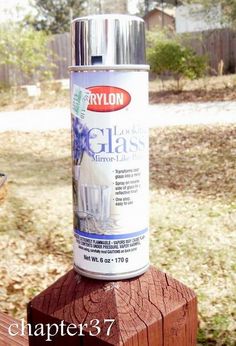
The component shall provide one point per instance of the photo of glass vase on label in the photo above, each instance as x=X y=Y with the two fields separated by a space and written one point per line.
x=92 y=202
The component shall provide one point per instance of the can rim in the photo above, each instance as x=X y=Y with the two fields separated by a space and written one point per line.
x=107 y=16
x=109 y=67
x=111 y=276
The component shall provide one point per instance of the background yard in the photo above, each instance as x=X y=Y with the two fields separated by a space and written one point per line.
x=193 y=217
x=192 y=168
x=55 y=94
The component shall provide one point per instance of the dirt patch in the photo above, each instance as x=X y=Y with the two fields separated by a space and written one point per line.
x=199 y=95
x=20 y=100
x=220 y=88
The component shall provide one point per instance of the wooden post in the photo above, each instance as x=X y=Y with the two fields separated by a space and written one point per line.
x=5 y=338
x=3 y=187
x=150 y=310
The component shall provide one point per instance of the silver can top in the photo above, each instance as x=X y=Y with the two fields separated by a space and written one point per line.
x=108 y=40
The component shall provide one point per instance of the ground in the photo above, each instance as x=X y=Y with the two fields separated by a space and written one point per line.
x=207 y=89
x=193 y=217
x=220 y=88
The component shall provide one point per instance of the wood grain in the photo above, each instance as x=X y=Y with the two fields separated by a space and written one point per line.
x=5 y=338
x=151 y=310
x=3 y=187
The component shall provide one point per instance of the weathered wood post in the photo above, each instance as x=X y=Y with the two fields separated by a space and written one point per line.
x=6 y=339
x=151 y=310
x=3 y=187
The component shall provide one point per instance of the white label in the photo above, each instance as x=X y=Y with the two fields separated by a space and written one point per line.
x=110 y=182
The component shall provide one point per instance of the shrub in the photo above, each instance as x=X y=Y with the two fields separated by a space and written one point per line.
x=170 y=57
x=25 y=51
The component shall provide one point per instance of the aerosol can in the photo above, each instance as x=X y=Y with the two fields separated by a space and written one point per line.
x=109 y=98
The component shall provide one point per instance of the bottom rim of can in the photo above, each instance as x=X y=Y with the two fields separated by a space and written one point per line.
x=110 y=276
x=137 y=67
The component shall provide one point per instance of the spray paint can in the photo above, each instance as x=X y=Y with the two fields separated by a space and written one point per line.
x=109 y=97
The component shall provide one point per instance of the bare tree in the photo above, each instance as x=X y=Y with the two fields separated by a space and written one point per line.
x=107 y=6
x=111 y=6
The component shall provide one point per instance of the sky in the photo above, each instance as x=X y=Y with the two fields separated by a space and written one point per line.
x=10 y=5
x=133 y=6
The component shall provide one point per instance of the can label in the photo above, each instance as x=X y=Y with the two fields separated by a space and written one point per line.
x=110 y=171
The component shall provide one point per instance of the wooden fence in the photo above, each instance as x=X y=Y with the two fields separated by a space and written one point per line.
x=61 y=57
x=218 y=45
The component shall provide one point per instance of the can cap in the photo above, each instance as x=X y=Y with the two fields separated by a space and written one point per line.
x=109 y=39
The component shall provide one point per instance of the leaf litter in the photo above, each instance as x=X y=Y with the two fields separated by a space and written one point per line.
x=192 y=217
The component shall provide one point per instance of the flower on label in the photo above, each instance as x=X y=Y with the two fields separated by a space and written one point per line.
x=80 y=141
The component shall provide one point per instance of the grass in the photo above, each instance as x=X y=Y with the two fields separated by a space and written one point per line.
x=193 y=220
x=192 y=210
